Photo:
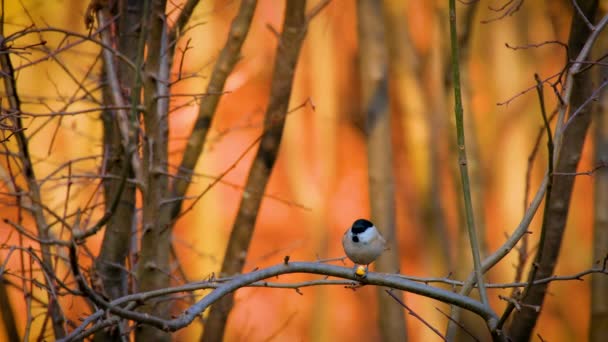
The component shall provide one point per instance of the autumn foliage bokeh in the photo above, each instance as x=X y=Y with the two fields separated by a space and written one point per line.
x=319 y=185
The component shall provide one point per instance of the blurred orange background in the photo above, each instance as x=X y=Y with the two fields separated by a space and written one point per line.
x=319 y=185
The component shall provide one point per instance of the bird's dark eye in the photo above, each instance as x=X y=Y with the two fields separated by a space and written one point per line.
x=360 y=226
x=355 y=238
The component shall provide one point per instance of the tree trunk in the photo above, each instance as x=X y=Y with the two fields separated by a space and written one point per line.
x=375 y=106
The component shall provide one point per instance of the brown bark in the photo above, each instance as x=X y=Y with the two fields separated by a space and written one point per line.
x=376 y=109
x=288 y=50
x=110 y=265
x=153 y=268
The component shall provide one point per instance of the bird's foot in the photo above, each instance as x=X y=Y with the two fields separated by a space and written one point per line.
x=361 y=271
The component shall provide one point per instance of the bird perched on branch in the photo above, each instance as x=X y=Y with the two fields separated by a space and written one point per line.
x=363 y=244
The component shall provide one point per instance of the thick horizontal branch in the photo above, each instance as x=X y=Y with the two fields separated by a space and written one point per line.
x=393 y=281
x=349 y=281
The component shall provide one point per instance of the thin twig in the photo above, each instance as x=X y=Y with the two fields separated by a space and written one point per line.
x=415 y=315
x=456 y=323
x=14 y=102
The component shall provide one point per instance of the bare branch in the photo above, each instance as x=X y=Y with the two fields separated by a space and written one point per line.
x=415 y=315
x=8 y=76
x=379 y=279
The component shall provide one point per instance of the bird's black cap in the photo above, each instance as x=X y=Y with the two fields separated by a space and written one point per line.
x=360 y=226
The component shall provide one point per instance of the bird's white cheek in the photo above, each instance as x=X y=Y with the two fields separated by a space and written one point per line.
x=368 y=235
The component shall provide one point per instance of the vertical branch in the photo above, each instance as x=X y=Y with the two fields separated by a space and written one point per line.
x=439 y=120
x=462 y=241
x=228 y=58
x=14 y=103
x=153 y=268
x=375 y=107
x=462 y=155
x=473 y=149
x=567 y=155
x=126 y=125
x=111 y=262
x=288 y=50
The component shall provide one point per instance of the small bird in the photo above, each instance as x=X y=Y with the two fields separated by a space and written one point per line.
x=363 y=244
